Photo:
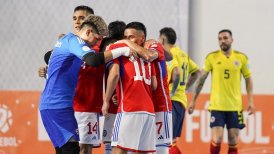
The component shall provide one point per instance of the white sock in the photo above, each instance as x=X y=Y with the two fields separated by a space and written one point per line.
x=162 y=150
x=108 y=148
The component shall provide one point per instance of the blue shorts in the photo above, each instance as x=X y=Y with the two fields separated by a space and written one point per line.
x=178 y=115
x=60 y=125
x=232 y=119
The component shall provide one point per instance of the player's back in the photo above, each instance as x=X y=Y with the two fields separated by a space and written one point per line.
x=186 y=67
x=63 y=70
x=160 y=96
x=89 y=91
x=134 y=87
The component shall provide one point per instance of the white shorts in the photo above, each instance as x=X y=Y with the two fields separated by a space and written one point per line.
x=163 y=128
x=134 y=132
x=88 y=125
x=108 y=127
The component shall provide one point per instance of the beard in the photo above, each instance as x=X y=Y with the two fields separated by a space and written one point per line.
x=225 y=47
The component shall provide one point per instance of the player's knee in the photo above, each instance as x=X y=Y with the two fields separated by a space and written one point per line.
x=232 y=140
x=85 y=148
x=217 y=140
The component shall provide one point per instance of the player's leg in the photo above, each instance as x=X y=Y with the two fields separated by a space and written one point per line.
x=163 y=132
x=58 y=150
x=178 y=113
x=88 y=124
x=233 y=134
x=217 y=123
x=235 y=122
x=71 y=147
x=85 y=148
x=107 y=132
x=62 y=128
x=116 y=150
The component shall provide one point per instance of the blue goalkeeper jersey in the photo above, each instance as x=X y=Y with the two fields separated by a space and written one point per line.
x=63 y=69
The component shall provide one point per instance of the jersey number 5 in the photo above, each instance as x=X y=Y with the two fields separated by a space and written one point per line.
x=227 y=75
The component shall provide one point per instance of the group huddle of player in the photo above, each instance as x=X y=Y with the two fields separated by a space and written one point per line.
x=137 y=84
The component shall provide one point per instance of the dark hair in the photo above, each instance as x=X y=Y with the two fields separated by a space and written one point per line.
x=226 y=30
x=116 y=29
x=105 y=42
x=88 y=9
x=170 y=34
x=138 y=26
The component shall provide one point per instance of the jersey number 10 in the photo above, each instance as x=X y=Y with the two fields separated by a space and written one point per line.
x=145 y=69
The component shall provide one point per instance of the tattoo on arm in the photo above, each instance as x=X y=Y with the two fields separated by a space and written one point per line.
x=200 y=85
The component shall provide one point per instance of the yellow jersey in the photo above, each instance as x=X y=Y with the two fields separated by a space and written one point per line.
x=186 y=67
x=226 y=79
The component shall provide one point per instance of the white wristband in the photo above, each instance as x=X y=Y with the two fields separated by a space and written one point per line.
x=123 y=51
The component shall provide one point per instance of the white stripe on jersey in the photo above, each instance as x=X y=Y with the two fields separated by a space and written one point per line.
x=122 y=95
x=104 y=85
x=162 y=85
x=80 y=40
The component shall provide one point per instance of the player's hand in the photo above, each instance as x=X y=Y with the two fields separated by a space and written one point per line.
x=149 y=42
x=42 y=71
x=191 y=108
x=133 y=54
x=114 y=100
x=105 y=108
x=250 y=109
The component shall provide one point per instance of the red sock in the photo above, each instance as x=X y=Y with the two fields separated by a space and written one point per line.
x=214 y=149
x=174 y=150
x=233 y=150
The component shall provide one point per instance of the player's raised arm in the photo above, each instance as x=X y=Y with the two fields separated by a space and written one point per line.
x=146 y=54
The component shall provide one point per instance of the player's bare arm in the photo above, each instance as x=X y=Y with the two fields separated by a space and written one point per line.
x=168 y=55
x=175 y=77
x=249 y=90
x=200 y=84
x=97 y=59
x=146 y=54
x=192 y=78
x=112 y=81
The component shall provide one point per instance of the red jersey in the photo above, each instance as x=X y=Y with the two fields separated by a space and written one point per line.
x=160 y=96
x=134 y=87
x=89 y=91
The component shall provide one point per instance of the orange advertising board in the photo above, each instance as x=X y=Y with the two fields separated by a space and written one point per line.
x=21 y=130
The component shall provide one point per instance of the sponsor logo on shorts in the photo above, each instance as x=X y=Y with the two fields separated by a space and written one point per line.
x=105 y=133
x=85 y=48
x=161 y=137
x=212 y=119
x=94 y=138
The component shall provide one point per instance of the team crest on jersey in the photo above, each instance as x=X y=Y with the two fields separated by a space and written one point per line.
x=105 y=133
x=236 y=63
x=85 y=48
x=58 y=44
